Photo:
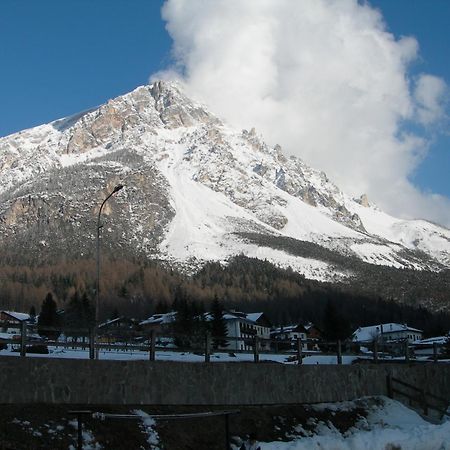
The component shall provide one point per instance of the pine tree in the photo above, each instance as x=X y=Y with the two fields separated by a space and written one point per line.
x=48 y=318
x=218 y=326
x=87 y=312
x=79 y=316
x=32 y=314
x=335 y=325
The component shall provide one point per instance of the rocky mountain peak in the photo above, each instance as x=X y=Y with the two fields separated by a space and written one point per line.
x=194 y=188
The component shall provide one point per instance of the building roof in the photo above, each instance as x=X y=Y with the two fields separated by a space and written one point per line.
x=289 y=329
x=160 y=318
x=17 y=315
x=117 y=320
x=367 y=334
x=252 y=318
x=432 y=340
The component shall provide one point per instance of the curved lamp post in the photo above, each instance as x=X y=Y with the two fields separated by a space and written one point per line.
x=97 y=294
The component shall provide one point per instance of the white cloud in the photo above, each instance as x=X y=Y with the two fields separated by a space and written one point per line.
x=324 y=79
x=430 y=93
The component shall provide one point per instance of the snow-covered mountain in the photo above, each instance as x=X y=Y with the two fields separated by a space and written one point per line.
x=196 y=190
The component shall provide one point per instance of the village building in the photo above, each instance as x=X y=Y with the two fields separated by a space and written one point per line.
x=160 y=323
x=243 y=328
x=386 y=333
x=11 y=321
x=284 y=338
x=428 y=347
x=119 y=329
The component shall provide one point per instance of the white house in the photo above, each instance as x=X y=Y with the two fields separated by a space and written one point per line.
x=387 y=332
x=244 y=327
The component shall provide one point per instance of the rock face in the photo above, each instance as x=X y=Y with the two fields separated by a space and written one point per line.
x=193 y=187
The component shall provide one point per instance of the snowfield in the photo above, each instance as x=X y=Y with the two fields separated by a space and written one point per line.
x=389 y=427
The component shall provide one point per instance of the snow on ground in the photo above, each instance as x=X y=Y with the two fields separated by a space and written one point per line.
x=148 y=427
x=412 y=234
x=200 y=231
x=87 y=436
x=378 y=254
x=390 y=426
x=167 y=355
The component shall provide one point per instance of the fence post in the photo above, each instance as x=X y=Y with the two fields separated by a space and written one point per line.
x=406 y=350
x=390 y=391
x=207 y=347
x=435 y=352
x=339 y=352
x=152 y=345
x=23 y=338
x=299 y=351
x=255 y=349
x=375 y=351
x=91 y=343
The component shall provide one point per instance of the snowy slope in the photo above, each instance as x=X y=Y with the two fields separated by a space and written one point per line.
x=193 y=187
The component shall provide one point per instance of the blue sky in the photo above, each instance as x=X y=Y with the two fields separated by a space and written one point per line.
x=61 y=57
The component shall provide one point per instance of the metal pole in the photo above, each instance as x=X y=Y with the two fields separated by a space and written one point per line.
x=79 y=433
x=375 y=351
x=99 y=226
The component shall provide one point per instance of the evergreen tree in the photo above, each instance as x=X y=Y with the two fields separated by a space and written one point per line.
x=79 y=316
x=184 y=323
x=32 y=314
x=218 y=326
x=48 y=318
x=161 y=307
x=87 y=312
x=336 y=327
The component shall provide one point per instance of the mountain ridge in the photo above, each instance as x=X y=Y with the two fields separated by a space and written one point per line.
x=193 y=187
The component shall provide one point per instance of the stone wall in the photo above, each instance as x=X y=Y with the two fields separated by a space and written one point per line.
x=42 y=380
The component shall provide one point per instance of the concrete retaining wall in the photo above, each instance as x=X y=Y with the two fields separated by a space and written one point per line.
x=41 y=380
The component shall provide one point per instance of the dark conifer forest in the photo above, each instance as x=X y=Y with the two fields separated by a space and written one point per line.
x=138 y=290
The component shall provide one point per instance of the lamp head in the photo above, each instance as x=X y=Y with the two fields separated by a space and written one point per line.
x=117 y=188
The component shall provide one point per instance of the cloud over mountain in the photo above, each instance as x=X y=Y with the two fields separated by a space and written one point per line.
x=323 y=78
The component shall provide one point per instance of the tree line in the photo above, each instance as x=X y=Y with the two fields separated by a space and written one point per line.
x=137 y=290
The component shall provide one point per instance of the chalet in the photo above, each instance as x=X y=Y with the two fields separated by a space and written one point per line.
x=387 y=332
x=14 y=317
x=289 y=335
x=161 y=323
x=119 y=329
x=244 y=327
x=11 y=321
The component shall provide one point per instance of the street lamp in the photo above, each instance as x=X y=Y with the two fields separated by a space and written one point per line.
x=97 y=297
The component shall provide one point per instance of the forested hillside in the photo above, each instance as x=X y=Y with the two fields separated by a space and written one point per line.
x=248 y=284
